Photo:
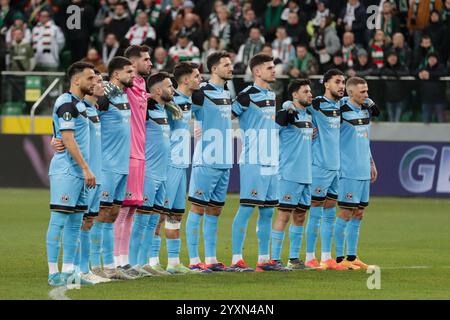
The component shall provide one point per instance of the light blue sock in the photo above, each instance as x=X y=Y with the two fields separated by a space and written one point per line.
x=263 y=229
x=326 y=228
x=71 y=237
x=145 y=249
x=54 y=234
x=312 y=228
x=173 y=248
x=96 y=243
x=140 y=222
x=77 y=260
x=239 y=228
x=277 y=244
x=339 y=236
x=353 y=236
x=295 y=241
x=193 y=233
x=210 y=234
x=156 y=246
x=108 y=243
x=85 y=247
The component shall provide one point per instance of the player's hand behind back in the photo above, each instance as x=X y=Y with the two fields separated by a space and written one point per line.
x=57 y=145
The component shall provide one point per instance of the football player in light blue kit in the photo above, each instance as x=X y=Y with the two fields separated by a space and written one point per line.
x=258 y=164
x=212 y=160
x=115 y=113
x=69 y=174
x=357 y=170
x=325 y=170
x=295 y=172
x=188 y=77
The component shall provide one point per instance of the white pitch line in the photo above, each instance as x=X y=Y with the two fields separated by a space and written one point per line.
x=59 y=293
x=415 y=267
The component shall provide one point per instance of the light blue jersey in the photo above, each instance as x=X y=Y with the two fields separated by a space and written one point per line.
x=69 y=113
x=355 y=141
x=157 y=145
x=211 y=105
x=295 y=146
x=255 y=108
x=180 y=136
x=327 y=120
x=95 y=141
x=115 y=116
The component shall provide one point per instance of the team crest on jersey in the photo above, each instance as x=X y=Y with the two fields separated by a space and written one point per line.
x=105 y=194
x=267 y=103
x=360 y=121
x=67 y=116
x=287 y=197
x=199 y=193
x=318 y=190
x=334 y=113
x=166 y=202
x=65 y=198
x=349 y=196
x=224 y=101
x=129 y=194
x=254 y=193
x=145 y=198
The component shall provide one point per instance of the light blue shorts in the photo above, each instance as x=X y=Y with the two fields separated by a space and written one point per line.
x=259 y=185
x=325 y=184
x=68 y=193
x=113 y=188
x=294 y=195
x=353 y=193
x=208 y=186
x=154 y=194
x=176 y=186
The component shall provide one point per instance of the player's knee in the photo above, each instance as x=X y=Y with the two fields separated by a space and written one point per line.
x=283 y=216
x=316 y=203
x=358 y=214
x=214 y=211
x=173 y=222
x=88 y=222
x=197 y=208
x=329 y=203
x=298 y=218
x=103 y=214
x=345 y=214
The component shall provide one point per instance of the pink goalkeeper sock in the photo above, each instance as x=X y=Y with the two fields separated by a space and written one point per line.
x=126 y=231
x=118 y=227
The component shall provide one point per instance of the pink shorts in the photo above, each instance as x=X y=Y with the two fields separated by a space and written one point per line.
x=135 y=183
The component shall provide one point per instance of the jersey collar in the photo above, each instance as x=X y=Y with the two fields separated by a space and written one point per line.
x=260 y=88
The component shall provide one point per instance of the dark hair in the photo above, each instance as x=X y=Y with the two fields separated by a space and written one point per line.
x=118 y=63
x=97 y=73
x=296 y=84
x=331 y=73
x=354 y=81
x=182 y=69
x=78 y=67
x=214 y=58
x=123 y=4
x=301 y=44
x=135 y=51
x=157 y=78
x=259 y=59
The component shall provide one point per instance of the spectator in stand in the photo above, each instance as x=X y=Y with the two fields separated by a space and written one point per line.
x=94 y=58
x=446 y=14
x=325 y=43
x=21 y=53
x=104 y=17
x=295 y=29
x=404 y=52
x=421 y=54
x=221 y=27
x=153 y=10
x=321 y=12
x=304 y=64
x=363 y=66
x=211 y=45
x=387 y=21
x=132 y=6
x=162 y=61
x=282 y=47
x=19 y=23
x=120 y=22
x=419 y=17
x=394 y=90
x=446 y=21
x=267 y=49
x=272 y=19
x=292 y=6
x=252 y=46
x=242 y=28
x=338 y=63
x=6 y=15
x=434 y=100
x=191 y=27
x=48 y=41
x=353 y=18
x=142 y=32
x=110 y=48
x=436 y=31
x=185 y=50
x=168 y=17
x=349 y=49
x=377 y=47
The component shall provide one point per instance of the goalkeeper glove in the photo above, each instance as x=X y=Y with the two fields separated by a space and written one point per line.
x=176 y=111
x=373 y=108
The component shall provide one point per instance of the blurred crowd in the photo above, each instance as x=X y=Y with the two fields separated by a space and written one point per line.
x=305 y=37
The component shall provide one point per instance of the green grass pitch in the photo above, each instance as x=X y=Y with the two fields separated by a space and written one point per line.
x=408 y=238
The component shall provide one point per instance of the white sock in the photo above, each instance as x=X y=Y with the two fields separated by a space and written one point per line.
x=325 y=256
x=52 y=268
x=310 y=256
x=153 y=261
x=117 y=262
x=68 y=267
x=124 y=260
x=236 y=258
x=263 y=258
x=210 y=260
x=109 y=266
x=194 y=261
x=173 y=261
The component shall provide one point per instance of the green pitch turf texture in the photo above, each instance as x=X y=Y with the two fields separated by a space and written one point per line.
x=408 y=238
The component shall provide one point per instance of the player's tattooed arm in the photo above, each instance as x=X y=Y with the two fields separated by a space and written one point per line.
x=373 y=171
x=68 y=139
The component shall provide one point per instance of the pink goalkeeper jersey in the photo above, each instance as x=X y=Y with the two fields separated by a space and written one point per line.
x=137 y=97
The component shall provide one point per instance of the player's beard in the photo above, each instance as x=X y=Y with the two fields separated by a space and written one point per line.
x=336 y=95
x=128 y=84
x=166 y=97
x=87 y=91
x=303 y=102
